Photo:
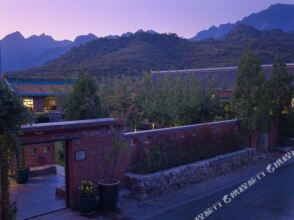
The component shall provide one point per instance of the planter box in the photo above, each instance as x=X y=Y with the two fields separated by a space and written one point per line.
x=143 y=186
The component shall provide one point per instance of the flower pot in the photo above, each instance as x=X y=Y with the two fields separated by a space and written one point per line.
x=88 y=205
x=108 y=194
x=22 y=175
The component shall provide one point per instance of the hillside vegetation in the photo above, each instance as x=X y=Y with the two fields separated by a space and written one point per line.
x=142 y=52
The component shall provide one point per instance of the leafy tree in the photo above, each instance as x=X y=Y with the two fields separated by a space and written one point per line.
x=250 y=98
x=12 y=115
x=119 y=99
x=83 y=102
x=280 y=90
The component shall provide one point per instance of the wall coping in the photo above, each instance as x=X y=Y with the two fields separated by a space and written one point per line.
x=175 y=129
x=70 y=125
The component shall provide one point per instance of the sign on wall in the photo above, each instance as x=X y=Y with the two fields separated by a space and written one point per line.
x=80 y=155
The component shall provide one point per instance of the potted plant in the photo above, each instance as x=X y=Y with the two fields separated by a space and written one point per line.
x=22 y=173
x=108 y=187
x=87 y=198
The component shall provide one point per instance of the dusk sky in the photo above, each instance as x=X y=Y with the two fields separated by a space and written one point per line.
x=65 y=19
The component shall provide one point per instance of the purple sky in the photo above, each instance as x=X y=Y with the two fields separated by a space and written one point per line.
x=69 y=18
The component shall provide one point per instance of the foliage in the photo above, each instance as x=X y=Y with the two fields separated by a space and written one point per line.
x=281 y=90
x=164 y=101
x=59 y=153
x=250 y=96
x=41 y=117
x=165 y=153
x=86 y=189
x=12 y=115
x=110 y=161
x=286 y=125
x=118 y=98
x=83 y=101
x=143 y=52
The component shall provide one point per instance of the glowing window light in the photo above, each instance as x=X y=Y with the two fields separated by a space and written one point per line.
x=29 y=103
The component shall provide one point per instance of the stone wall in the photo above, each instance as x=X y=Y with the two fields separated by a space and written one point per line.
x=149 y=185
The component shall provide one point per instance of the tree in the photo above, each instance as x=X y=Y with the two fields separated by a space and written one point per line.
x=119 y=99
x=280 y=90
x=83 y=102
x=12 y=115
x=250 y=98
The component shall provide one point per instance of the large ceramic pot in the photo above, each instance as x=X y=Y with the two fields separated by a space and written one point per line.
x=22 y=175
x=88 y=205
x=108 y=194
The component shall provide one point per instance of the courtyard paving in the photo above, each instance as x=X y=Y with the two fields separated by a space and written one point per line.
x=37 y=196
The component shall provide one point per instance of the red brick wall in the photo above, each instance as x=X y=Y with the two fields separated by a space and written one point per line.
x=94 y=167
x=35 y=154
x=97 y=141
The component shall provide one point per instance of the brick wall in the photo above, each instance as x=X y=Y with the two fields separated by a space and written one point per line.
x=94 y=138
x=97 y=164
x=39 y=154
x=191 y=143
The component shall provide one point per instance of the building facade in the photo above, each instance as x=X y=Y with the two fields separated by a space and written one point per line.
x=38 y=94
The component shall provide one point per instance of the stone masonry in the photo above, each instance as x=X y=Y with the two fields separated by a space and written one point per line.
x=149 y=185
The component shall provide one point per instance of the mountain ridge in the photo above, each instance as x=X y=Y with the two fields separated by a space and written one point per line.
x=20 y=53
x=142 y=52
x=277 y=16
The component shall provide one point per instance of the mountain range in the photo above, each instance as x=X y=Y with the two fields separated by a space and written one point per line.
x=267 y=33
x=278 y=16
x=145 y=51
x=20 y=53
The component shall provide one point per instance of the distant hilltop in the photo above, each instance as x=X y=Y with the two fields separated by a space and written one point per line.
x=20 y=53
x=142 y=52
x=278 y=16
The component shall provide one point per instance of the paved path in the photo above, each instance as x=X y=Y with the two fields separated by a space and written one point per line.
x=37 y=196
x=272 y=198
x=205 y=194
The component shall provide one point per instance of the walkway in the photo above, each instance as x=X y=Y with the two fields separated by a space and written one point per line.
x=272 y=198
x=189 y=201
x=37 y=196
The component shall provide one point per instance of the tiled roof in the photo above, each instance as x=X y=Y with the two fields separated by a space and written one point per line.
x=224 y=77
x=39 y=87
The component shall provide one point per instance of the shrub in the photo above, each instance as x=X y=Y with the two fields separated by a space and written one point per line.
x=286 y=125
x=41 y=117
x=86 y=189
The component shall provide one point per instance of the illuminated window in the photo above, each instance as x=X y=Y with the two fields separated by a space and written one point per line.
x=292 y=103
x=50 y=103
x=29 y=103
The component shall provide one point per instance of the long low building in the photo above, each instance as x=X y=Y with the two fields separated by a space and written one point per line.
x=223 y=77
x=39 y=94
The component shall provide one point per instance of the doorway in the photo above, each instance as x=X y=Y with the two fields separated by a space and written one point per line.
x=46 y=189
